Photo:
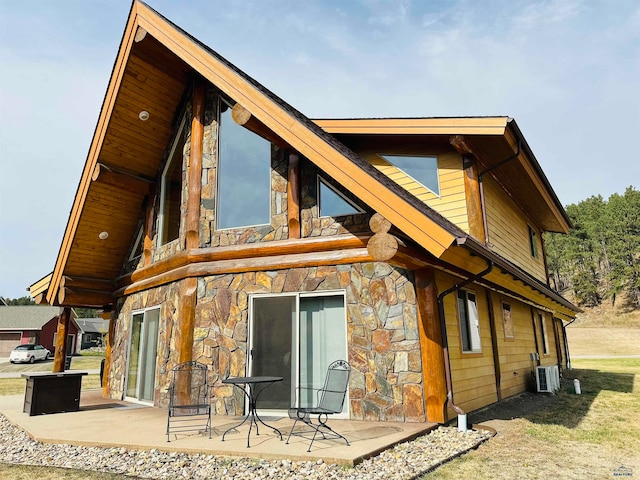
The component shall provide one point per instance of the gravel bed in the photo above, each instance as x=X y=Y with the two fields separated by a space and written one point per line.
x=405 y=461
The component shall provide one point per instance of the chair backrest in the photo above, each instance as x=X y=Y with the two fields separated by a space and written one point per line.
x=335 y=388
x=189 y=385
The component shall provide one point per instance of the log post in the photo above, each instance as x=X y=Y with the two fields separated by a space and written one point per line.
x=107 y=354
x=149 y=223
x=61 y=340
x=433 y=372
x=195 y=166
x=472 y=188
x=293 y=196
x=187 y=320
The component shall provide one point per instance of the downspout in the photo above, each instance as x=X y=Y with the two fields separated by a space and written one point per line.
x=566 y=342
x=462 y=416
x=481 y=184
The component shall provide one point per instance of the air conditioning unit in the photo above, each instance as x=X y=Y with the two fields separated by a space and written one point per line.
x=548 y=379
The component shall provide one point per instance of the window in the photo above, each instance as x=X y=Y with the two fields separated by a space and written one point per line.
x=171 y=191
x=143 y=352
x=469 y=321
x=543 y=330
x=331 y=203
x=244 y=175
x=136 y=251
x=533 y=243
x=507 y=321
x=424 y=170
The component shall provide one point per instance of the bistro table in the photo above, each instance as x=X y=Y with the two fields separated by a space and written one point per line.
x=252 y=384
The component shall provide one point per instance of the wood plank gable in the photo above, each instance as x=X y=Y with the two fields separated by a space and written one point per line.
x=154 y=66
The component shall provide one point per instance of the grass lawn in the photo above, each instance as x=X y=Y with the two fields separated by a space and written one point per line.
x=571 y=436
x=80 y=362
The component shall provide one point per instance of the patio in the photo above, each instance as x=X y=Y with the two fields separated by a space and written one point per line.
x=104 y=422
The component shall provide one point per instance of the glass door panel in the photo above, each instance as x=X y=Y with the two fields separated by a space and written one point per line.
x=271 y=353
x=134 y=354
x=322 y=341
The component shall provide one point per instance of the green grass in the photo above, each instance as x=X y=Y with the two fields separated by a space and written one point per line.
x=568 y=435
x=89 y=362
x=16 y=386
x=29 y=472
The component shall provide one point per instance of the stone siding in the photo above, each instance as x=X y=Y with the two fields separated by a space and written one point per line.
x=383 y=345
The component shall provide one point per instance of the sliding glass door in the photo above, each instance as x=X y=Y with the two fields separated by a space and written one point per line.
x=296 y=337
x=143 y=350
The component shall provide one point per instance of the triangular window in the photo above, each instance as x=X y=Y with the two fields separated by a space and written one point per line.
x=424 y=170
x=332 y=203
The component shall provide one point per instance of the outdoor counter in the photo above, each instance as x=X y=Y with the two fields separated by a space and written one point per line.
x=52 y=392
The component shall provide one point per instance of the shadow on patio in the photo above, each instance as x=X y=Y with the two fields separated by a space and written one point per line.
x=107 y=423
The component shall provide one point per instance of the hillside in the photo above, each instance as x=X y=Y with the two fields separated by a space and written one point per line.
x=605 y=330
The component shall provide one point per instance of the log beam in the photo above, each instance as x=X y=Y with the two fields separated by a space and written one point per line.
x=195 y=166
x=61 y=340
x=243 y=117
x=382 y=246
x=86 y=283
x=433 y=371
x=79 y=297
x=293 y=196
x=120 y=179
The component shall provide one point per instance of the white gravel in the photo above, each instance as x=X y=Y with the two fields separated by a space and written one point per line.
x=405 y=461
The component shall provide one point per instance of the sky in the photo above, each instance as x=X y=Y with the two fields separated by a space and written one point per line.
x=568 y=71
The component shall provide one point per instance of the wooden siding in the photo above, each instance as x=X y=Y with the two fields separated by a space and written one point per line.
x=451 y=203
x=473 y=374
x=508 y=231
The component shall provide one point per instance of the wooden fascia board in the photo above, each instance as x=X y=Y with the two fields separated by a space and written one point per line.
x=94 y=150
x=402 y=214
x=415 y=126
x=40 y=286
x=512 y=136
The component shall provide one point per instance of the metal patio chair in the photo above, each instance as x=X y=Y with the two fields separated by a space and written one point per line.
x=189 y=402
x=329 y=400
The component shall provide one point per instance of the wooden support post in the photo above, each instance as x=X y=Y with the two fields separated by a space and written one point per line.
x=107 y=354
x=494 y=345
x=471 y=187
x=195 y=166
x=187 y=320
x=433 y=372
x=61 y=340
x=149 y=223
x=293 y=196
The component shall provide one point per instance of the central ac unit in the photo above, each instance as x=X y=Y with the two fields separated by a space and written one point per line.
x=548 y=379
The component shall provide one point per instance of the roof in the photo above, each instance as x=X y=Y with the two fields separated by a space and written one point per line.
x=92 y=325
x=156 y=64
x=26 y=317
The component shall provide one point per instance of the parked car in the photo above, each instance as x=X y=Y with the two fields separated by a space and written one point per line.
x=29 y=353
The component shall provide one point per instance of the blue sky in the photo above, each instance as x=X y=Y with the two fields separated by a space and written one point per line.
x=568 y=71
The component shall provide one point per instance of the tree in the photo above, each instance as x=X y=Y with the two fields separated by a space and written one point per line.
x=19 y=301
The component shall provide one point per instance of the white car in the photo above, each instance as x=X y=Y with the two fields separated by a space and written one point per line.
x=29 y=353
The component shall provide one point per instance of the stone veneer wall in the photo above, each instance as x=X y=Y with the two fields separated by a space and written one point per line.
x=383 y=344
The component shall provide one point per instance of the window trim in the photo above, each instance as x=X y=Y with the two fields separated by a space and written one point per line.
x=474 y=349
x=533 y=242
x=509 y=338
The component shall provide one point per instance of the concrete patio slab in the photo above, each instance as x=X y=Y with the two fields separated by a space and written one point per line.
x=108 y=423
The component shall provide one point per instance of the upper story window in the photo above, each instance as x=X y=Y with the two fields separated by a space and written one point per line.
x=244 y=175
x=171 y=190
x=138 y=244
x=332 y=203
x=533 y=242
x=469 y=321
x=423 y=169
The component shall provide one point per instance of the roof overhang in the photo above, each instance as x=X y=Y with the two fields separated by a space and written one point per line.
x=496 y=142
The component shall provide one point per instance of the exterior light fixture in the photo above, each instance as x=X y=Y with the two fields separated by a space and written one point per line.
x=143 y=115
x=103 y=235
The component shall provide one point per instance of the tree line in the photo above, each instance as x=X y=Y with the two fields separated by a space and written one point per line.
x=599 y=260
